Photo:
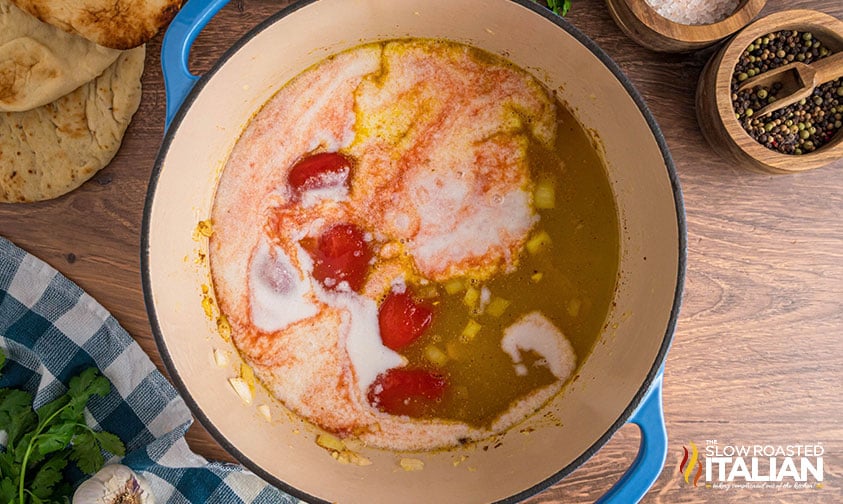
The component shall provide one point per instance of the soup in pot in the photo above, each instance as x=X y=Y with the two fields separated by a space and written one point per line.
x=415 y=244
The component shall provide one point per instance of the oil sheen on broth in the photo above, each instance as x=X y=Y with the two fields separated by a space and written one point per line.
x=414 y=244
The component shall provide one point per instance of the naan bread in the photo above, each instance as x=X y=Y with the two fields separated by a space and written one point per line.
x=119 y=24
x=51 y=150
x=40 y=63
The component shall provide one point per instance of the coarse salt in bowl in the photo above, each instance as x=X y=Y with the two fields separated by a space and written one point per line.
x=682 y=25
x=694 y=12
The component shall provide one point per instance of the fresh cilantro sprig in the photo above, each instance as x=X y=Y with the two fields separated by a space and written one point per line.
x=560 y=7
x=41 y=443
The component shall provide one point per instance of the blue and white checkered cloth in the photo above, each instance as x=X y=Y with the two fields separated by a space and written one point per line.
x=51 y=330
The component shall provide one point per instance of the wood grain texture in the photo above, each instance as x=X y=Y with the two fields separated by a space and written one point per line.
x=757 y=356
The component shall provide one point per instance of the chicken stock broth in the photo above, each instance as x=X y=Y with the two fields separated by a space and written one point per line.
x=571 y=281
x=414 y=244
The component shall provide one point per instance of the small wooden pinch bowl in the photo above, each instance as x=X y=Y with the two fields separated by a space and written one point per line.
x=650 y=29
x=715 y=112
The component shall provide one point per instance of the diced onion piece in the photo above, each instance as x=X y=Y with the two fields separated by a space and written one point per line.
x=454 y=286
x=411 y=464
x=224 y=328
x=435 y=355
x=220 y=357
x=537 y=277
x=574 y=307
x=470 y=331
x=471 y=297
x=353 y=443
x=350 y=457
x=208 y=306
x=427 y=292
x=248 y=376
x=205 y=228
x=538 y=242
x=265 y=412
x=454 y=350
x=497 y=306
x=242 y=388
x=544 y=195
x=330 y=442
x=339 y=451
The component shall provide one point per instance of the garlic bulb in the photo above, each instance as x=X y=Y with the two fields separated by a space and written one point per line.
x=114 y=484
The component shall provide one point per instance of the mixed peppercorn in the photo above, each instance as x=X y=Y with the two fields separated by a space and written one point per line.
x=796 y=129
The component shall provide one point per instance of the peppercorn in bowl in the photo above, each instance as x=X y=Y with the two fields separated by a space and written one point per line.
x=732 y=111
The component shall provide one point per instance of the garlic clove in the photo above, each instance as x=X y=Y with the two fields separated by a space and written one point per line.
x=242 y=388
x=114 y=484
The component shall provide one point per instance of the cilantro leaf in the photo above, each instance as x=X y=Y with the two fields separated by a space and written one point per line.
x=8 y=489
x=46 y=478
x=560 y=7
x=56 y=438
x=8 y=469
x=88 y=383
x=40 y=444
x=81 y=389
x=16 y=415
x=110 y=443
x=86 y=453
x=49 y=409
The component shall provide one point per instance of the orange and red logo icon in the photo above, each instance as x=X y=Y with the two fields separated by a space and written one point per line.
x=691 y=461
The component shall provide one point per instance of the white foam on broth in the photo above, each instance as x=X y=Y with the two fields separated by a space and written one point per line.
x=463 y=205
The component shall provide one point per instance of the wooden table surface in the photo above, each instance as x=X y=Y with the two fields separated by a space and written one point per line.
x=758 y=352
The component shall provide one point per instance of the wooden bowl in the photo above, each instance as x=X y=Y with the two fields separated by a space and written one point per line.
x=652 y=30
x=716 y=115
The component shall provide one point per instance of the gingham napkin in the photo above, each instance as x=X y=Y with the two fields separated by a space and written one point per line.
x=50 y=330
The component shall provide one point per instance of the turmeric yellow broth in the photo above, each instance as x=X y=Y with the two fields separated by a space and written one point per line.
x=414 y=243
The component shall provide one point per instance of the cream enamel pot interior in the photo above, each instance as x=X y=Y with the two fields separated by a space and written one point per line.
x=613 y=382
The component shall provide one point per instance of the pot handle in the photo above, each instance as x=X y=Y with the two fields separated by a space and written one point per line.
x=652 y=451
x=175 y=51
